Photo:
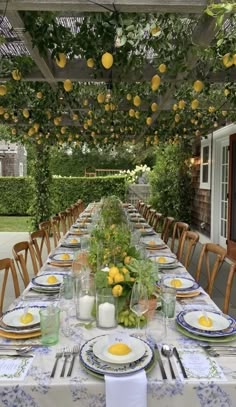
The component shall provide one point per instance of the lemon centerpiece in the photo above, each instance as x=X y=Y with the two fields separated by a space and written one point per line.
x=119 y=349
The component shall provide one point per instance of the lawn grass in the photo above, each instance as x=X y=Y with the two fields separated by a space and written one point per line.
x=15 y=223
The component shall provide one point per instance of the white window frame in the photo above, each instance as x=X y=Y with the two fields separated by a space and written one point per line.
x=205 y=143
x=21 y=169
x=0 y=168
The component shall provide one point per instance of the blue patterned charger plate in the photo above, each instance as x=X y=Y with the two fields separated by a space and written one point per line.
x=96 y=365
x=230 y=330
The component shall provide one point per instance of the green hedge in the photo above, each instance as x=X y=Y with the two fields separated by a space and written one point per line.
x=16 y=192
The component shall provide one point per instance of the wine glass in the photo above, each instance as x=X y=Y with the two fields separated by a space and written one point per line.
x=139 y=301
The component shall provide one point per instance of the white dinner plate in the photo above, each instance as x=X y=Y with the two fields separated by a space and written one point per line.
x=12 y=317
x=185 y=282
x=219 y=322
x=100 y=349
x=42 y=280
x=59 y=257
x=152 y=241
x=71 y=241
x=163 y=260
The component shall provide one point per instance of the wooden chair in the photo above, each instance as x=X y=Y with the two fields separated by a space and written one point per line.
x=63 y=218
x=69 y=217
x=75 y=211
x=150 y=217
x=229 y=283
x=80 y=202
x=40 y=242
x=56 y=224
x=187 y=246
x=22 y=251
x=138 y=205
x=47 y=226
x=218 y=254
x=156 y=221
x=178 y=230
x=165 y=231
x=7 y=266
x=146 y=211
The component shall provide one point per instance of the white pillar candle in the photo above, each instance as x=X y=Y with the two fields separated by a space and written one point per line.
x=85 y=306
x=106 y=315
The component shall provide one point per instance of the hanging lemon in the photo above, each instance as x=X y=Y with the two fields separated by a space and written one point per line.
x=198 y=86
x=224 y=113
x=13 y=132
x=101 y=98
x=177 y=118
x=181 y=104
x=75 y=116
x=3 y=90
x=85 y=102
x=6 y=116
x=128 y=96
x=155 y=31
x=131 y=112
x=107 y=60
x=211 y=109
x=155 y=82
x=137 y=115
x=61 y=60
x=154 y=107
x=162 y=68
x=16 y=75
x=26 y=113
x=49 y=115
x=68 y=86
x=149 y=121
x=39 y=95
x=107 y=107
x=136 y=101
x=226 y=92
x=194 y=104
x=228 y=60
x=90 y=63
x=117 y=289
x=2 y=110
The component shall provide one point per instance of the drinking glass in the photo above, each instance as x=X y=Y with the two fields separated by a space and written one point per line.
x=139 y=301
x=65 y=305
x=168 y=302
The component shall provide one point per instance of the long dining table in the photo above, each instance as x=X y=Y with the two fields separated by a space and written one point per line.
x=211 y=380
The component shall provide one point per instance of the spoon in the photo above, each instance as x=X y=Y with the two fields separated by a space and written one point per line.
x=22 y=350
x=167 y=351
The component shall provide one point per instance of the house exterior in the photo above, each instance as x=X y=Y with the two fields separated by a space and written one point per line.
x=13 y=160
x=214 y=180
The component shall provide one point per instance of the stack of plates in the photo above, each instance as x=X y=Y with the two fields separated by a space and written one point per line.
x=165 y=262
x=141 y=225
x=61 y=259
x=97 y=360
x=71 y=241
x=12 y=327
x=42 y=283
x=185 y=287
x=153 y=243
x=223 y=326
x=137 y=218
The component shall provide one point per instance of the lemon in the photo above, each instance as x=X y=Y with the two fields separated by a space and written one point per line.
x=26 y=318
x=177 y=118
x=107 y=107
x=151 y=242
x=161 y=260
x=63 y=130
x=13 y=132
x=107 y=60
x=90 y=62
x=6 y=116
x=73 y=241
x=128 y=96
x=117 y=290
x=16 y=75
x=110 y=280
x=155 y=31
x=205 y=321
x=26 y=113
x=131 y=112
x=155 y=82
x=2 y=110
x=226 y=92
x=175 y=107
x=119 y=349
x=154 y=107
x=65 y=256
x=176 y=283
x=127 y=259
x=211 y=109
x=68 y=86
x=198 y=86
x=57 y=121
x=113 y=271
x=149 y=121
x=75 y=117
x=52 y=280
x=39 y=95
x=118 y=278
x=194 y=104
x=136 y=101
x=48 y=114
x=101 y=98
x=181 y=104
x=124 y=270
x=3 y=90
x=224 y=113
x=61 y=60
x=85 y=102
x=162 y=68
x=137 y=115
x=228 y=60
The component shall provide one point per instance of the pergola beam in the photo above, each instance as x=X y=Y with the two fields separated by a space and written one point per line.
x=124 y=6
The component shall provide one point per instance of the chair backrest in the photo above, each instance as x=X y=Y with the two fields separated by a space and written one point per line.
x=151 y=215
x=156 y=220
x=39 y=241
x=178 y=230
x=218 y=254
x=165 y=231
x=64 y=226
x=56 y=224
x=47 y=226
x=146 y=211
x=229 y=283
x=21 y=252
x=75 y=211
x=69 y=217
x=80 y=202
x=7 y=266
x=187 y=246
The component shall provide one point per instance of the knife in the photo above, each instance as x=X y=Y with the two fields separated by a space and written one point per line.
x=17 y=355
x=176 y=353
x=163 y=373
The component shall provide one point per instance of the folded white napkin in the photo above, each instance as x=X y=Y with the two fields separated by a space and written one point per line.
x=126 y=391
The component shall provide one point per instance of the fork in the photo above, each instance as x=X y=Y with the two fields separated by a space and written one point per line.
x=75 y=351
x=58 y=356
x=66 y=353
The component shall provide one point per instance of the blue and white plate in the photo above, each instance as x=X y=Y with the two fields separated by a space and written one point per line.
x=42 y=280
x=12 y=318
x=96 y=365
x=188 y=284
x=71 y=241
x=165 y=261
x=66 y=257
x=223 y=325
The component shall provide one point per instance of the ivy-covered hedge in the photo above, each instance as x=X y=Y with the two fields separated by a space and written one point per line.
x=16 y=193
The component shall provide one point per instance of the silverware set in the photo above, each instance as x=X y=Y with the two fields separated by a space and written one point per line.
x=167 y=351
x=67 y=355
x=219 y=350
